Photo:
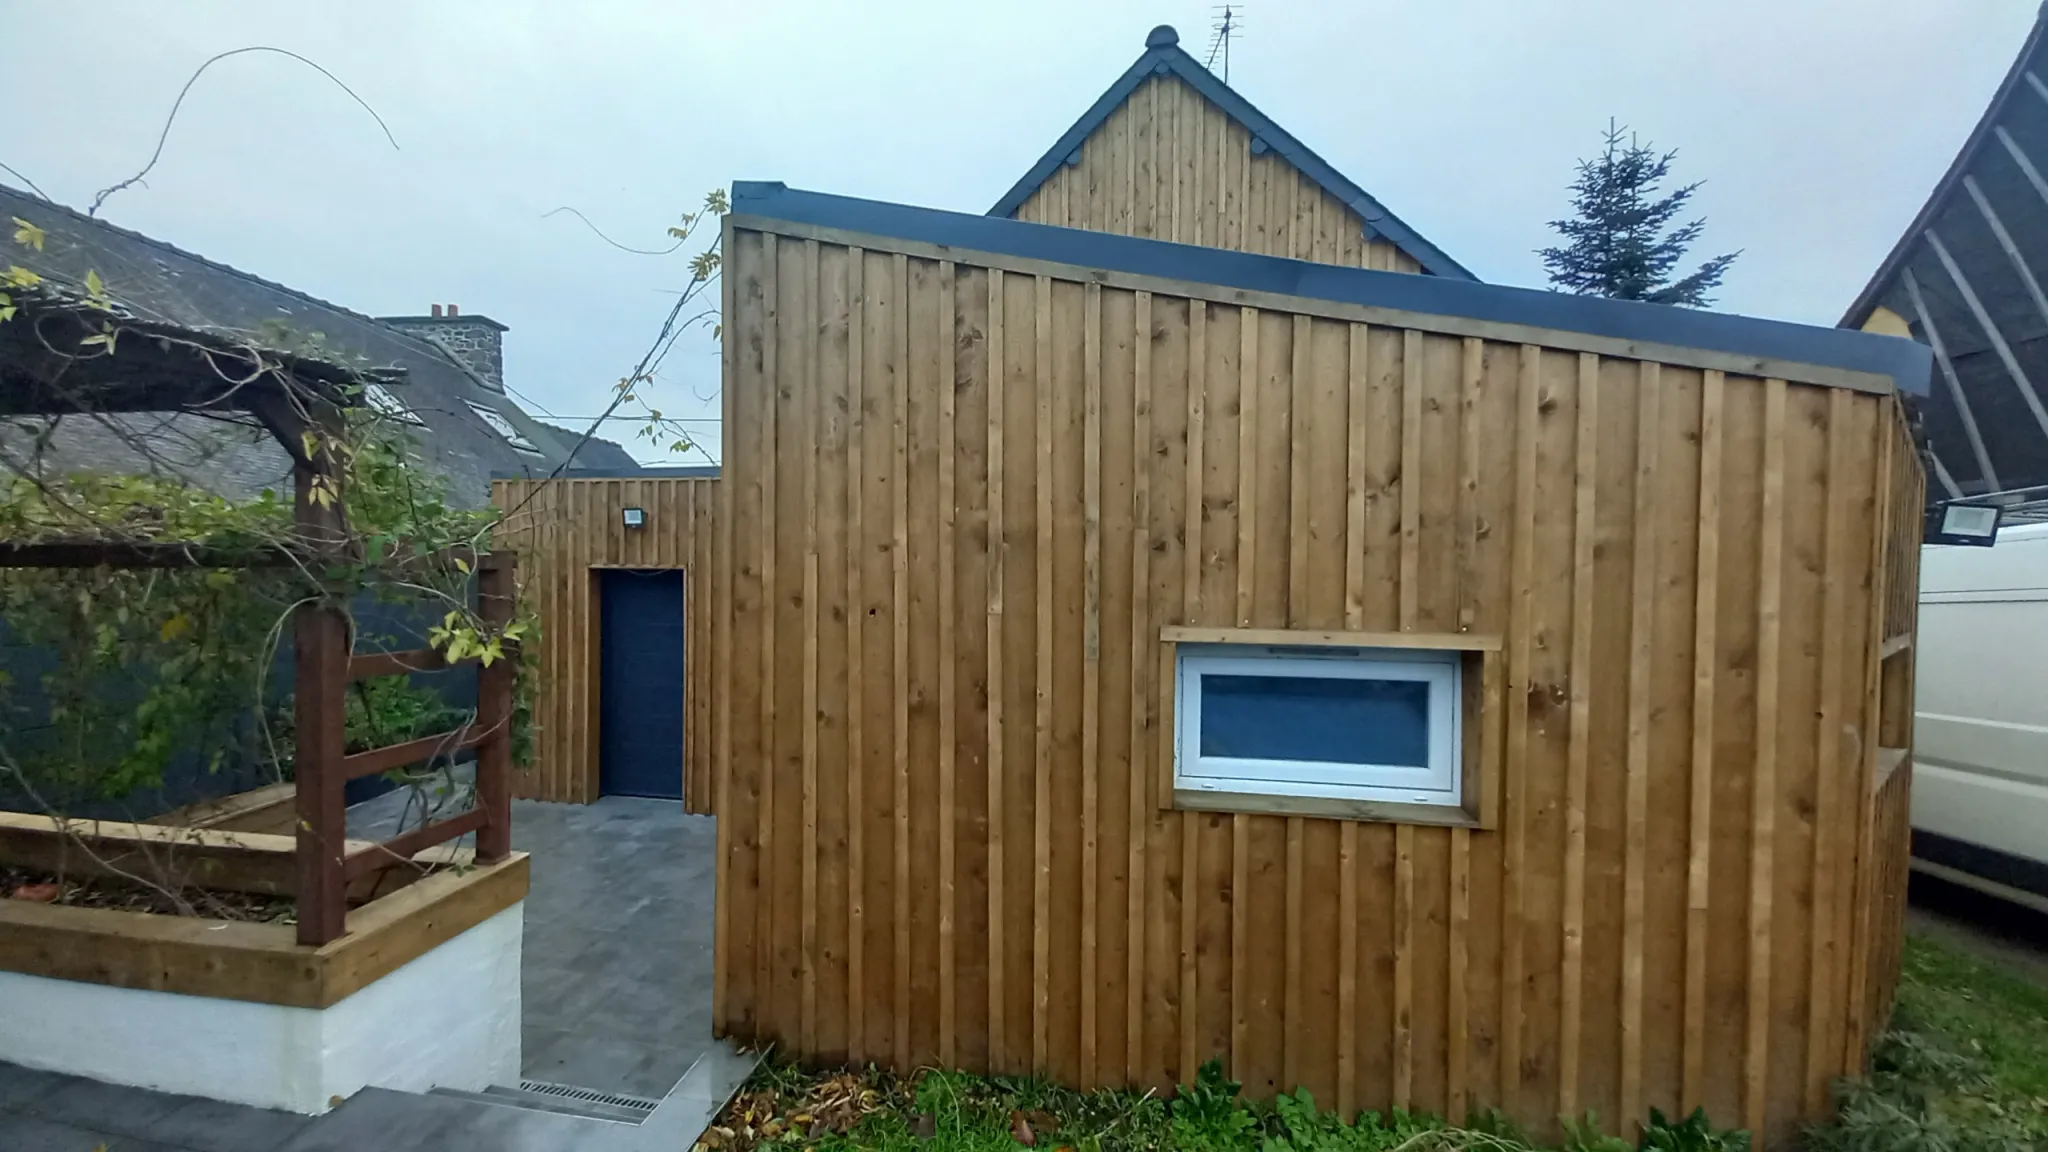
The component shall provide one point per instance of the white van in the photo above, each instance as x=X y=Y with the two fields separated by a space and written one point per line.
x=1980 y=756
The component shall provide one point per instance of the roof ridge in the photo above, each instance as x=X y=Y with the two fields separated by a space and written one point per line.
x=207 y=261
x=1163 y=54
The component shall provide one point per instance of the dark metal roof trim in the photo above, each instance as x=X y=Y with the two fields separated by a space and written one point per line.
x=1907 y=362
x=1873 y=293
x=1163 y=55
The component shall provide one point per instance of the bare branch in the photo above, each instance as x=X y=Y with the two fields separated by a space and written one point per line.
x=599 y=233
x=193 y=79
x=16 y=173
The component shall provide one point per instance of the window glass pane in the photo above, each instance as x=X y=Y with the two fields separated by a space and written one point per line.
x=1330 y=720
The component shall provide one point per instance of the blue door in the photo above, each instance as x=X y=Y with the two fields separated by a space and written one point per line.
x=641 y=686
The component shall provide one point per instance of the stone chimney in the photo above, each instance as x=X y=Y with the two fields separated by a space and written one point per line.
x=477 y=341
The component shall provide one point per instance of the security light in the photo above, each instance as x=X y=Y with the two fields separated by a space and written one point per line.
x=634 y=517
x=1967 y=520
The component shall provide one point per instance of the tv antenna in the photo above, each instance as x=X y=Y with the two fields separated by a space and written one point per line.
x=1226 y=27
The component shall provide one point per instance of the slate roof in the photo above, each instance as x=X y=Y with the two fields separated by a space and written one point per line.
x=1967 y=277
x=1164 y=56
x=1905 y=362
x=596 y=454
x=158 y=281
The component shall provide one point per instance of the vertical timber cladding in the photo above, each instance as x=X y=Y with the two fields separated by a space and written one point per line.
x=565 y=530
x=1169 y=165
x=965 y=501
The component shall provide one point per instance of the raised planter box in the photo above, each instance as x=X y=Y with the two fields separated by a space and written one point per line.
x=271 y=808
x=422 y=992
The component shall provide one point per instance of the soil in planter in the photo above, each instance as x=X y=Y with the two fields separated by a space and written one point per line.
x=133 y=896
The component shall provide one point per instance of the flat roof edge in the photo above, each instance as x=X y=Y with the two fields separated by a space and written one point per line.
x=1907 y=363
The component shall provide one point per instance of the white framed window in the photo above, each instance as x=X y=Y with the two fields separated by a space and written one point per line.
x=502 y=427
x=1370 y=724
x=387 y=404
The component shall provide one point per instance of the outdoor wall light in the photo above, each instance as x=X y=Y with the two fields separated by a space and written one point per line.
x=634 y=517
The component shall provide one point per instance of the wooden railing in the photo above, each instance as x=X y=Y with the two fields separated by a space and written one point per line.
x=324 y=767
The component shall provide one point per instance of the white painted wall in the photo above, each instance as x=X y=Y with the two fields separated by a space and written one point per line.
x=448 y=1019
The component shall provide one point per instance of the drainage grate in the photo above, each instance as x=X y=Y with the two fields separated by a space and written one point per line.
x=589 y=1096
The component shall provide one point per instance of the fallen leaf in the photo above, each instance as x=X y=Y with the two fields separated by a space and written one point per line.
x=1020 y=1130
x=39 y=893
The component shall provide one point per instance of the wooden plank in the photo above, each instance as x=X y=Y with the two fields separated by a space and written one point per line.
x=899 y=568
x=1698 y=877
x=858 y=1047
x=1522 y=592
x=1091 y=659
x=948 y=816
x=1457 y=1009
x=1356 y=477
x=1404 y=965
x=1240 y=942
x=998 y=544
x=1459 y=326
x=811 y=406
x=365 y=665
x=764 y=913
x=1137 y=889
x=400 y=849
x=1571 y=1012
x=1041 y=891
x=1764 y=787
x=808 y=927
x=1635 y=844
x=1347 y=968
x=1411 y=476
x=1836 y=557
x=1321 y=638
x=391 y=757
x=1864 y=884
x=1247 y=451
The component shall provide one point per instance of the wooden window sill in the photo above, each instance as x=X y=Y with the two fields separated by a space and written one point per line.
x=1325 y=807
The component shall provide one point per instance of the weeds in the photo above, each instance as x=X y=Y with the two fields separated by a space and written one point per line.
x=937 y=1111
x=1964 y=1069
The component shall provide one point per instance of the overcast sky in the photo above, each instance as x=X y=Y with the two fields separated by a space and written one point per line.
x=1819 y=126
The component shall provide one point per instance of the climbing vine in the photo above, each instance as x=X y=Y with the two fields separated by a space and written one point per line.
x=114 y=673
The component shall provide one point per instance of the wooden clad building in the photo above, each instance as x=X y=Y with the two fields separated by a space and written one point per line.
x=1171 y=152
x=570 y=533
x=1575 y=613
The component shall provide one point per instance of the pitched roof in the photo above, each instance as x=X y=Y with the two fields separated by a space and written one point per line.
x=1966 y=276
x=1836 y=353
x=1164 y=56
x=157 y=281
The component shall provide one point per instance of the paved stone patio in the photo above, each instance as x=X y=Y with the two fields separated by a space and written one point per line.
x=617 y=956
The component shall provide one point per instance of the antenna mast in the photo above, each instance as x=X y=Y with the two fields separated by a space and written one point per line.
x=1226 y=28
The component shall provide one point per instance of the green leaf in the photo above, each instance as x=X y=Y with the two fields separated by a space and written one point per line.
x=94 y=286
x=27 y=233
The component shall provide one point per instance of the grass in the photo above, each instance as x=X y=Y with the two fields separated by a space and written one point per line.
x=1964 y=1068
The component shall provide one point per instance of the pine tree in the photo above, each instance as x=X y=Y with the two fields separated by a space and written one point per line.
x=1617 y=244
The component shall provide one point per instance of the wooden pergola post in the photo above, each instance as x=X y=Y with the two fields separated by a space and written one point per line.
x=321 y=643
